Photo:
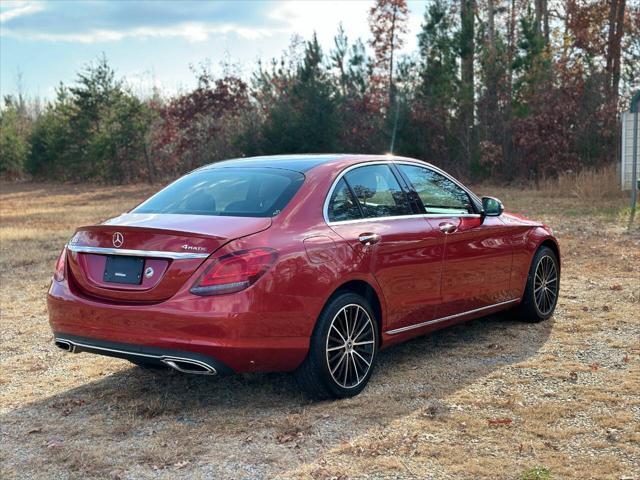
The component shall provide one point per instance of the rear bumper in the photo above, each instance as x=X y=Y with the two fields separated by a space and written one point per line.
x=236 y=333
x=187 y=362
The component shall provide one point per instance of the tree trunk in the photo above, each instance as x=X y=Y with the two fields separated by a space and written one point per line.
x=393 y=37
x=508 y=136
x=545 y=20
x=491 y=68
x=614 y=39
x=491 y=27
x=542 y=19
x=467 y=47
x=150 y=169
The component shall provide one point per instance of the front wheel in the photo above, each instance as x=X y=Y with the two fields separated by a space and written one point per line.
x=343 y=349
x=543 y=286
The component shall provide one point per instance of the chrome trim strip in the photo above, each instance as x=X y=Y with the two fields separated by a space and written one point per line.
x=162 y=358
x=325 y=208
x=114 y=350
x=137 y=253
x=450 y=317
x=400 y=217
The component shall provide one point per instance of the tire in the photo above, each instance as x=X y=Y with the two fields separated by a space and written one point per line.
x=339 y=364
x=541 y=292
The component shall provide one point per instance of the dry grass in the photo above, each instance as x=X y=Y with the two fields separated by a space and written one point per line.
x=589 y=184
x=494 y=398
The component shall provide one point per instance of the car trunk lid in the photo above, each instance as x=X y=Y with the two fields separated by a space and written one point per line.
x=148 y=257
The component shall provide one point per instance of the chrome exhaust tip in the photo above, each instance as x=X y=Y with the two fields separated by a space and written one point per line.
x=65 y=345
x=186 y=365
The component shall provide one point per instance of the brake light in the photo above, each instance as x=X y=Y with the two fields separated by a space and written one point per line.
x=235 y=271
x=58 y=275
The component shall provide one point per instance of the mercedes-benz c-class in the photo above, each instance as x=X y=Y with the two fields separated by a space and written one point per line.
x=304 y=263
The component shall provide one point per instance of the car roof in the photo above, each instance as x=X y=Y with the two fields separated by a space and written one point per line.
x=302 y=162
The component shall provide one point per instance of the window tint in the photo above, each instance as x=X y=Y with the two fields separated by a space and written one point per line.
x=377 y=191
x=240 y=192
x=437 y=192
x=342 y=205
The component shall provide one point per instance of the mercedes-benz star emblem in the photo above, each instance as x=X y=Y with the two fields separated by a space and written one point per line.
x=118 y=239
x=148 y=272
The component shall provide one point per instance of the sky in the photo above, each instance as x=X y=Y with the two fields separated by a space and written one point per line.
x=154 y=43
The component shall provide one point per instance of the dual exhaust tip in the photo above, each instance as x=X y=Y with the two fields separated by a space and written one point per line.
x=65 y=345
x=184 y=365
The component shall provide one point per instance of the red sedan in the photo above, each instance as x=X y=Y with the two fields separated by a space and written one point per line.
x=307 y=263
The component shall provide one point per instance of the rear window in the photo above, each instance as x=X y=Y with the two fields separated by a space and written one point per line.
x=238 y=192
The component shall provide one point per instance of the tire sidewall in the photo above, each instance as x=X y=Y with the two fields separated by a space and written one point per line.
x=540 y=254
x=319 y=339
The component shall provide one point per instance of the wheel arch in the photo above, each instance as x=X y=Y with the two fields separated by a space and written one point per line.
x=365 y=290
x=553 y=245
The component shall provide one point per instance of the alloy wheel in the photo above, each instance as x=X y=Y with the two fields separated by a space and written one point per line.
x=545 y=285
x=350 y=346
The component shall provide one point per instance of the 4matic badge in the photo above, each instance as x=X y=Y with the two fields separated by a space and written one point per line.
x=193 y=248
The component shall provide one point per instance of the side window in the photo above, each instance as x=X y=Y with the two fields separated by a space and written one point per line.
x=437 y=192
x=378 y=192
x=342 y=205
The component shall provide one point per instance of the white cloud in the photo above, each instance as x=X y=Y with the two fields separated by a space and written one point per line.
x=284 y=18
x=13 y=10
x=190 y=31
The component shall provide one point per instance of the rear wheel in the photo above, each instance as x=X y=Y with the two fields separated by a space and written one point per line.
x=543 y=286
x=343 y=349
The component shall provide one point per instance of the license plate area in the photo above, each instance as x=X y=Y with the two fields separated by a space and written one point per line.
x=123 y=269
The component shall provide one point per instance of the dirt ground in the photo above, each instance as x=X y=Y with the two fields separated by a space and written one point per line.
x=494 y=398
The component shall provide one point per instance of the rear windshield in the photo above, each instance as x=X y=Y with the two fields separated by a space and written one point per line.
x=238 y=192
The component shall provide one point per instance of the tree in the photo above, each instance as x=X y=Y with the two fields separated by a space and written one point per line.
x=438 y=85
x=614 y=41
x=467 y=50
x=494 y=95
x=298 y=104
x=92 y=130
x=198 y=127
x=14 y=131
x=388 y=22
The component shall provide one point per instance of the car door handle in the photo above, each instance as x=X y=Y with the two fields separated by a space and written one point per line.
x=368 y=238
x=447 y=227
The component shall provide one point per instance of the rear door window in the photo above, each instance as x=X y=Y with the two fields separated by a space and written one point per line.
x=377 y=191
x=342 y=205
x=239 y=192
x=439 y=195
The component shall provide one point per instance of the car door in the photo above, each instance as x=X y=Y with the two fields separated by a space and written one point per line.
x=477 y=251
x=370 y=210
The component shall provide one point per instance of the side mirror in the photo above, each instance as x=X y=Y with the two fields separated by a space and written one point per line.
x=492 y=207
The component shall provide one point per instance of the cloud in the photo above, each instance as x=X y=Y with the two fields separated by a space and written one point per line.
x=190 y=31
x=11 y=10
x=100 y=21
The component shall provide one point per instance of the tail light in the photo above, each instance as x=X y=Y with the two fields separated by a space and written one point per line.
x=58 y=275
x=235 y=271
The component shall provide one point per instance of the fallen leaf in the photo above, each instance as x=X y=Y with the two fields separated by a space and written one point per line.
x=616 y=287
x=284 y=438
x=35 y=430
x=500 y=421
